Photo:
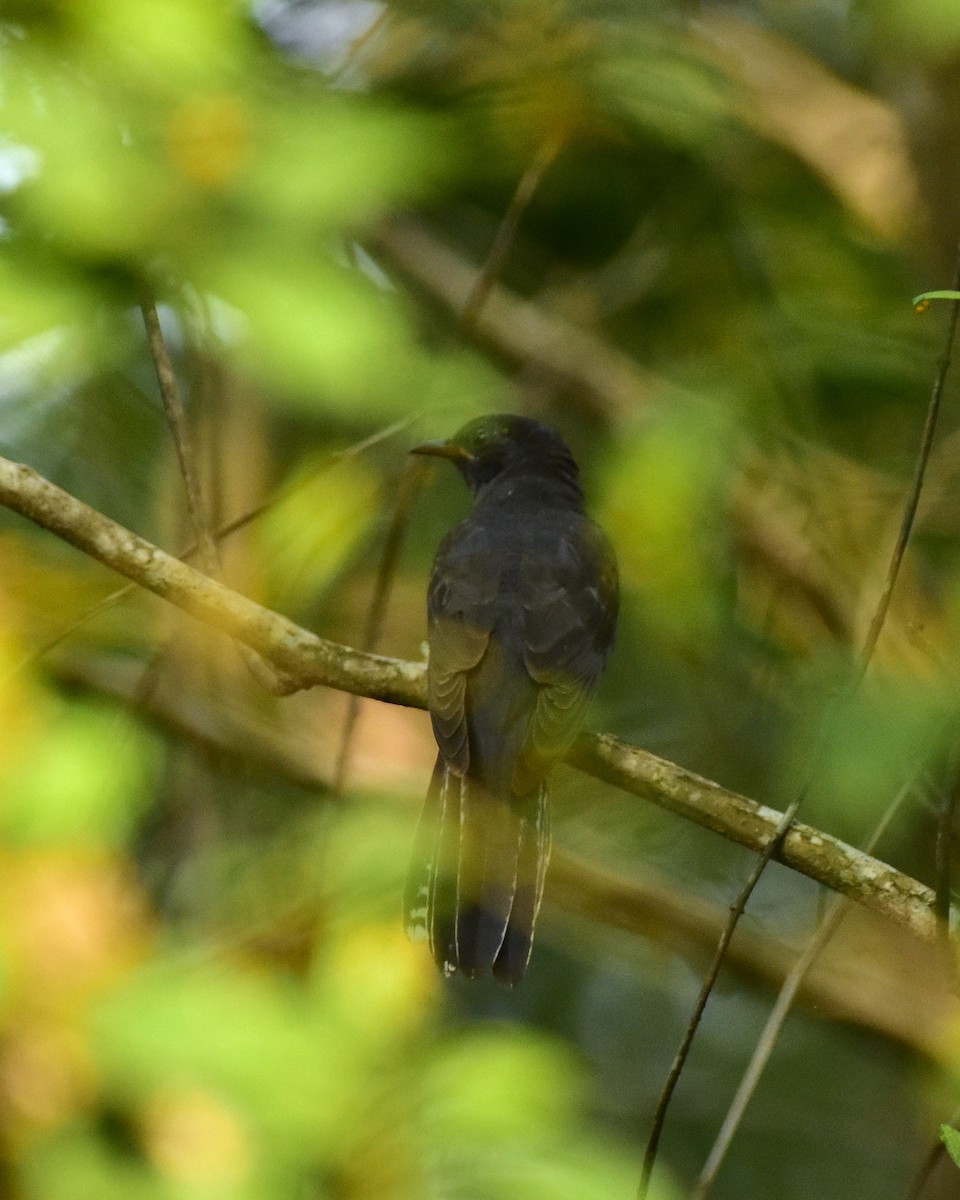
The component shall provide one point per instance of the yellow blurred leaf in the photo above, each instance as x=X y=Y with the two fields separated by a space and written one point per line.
x=663 y=508
x=46 y=1076
x=490 y=1085
x=196 y=1140
x=311 y=533
x=383 y=984
x=209 y=138
x=167 y=44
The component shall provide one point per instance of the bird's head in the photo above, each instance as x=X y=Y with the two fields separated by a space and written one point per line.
x=505 y=444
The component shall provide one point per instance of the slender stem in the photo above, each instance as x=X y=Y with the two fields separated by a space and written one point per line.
x=265 y=675
x=676 y=1070
x=916 y=487
x=828 y=926
x=224 y=531
x=866 y=654
x=525 y=191
x=176 y=417
x=411 y=483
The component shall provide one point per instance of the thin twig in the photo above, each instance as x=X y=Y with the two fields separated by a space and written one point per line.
x=645 y=904
x=209 y=549
x=945 y=829
x=908 y=1000
x=411 y=483
x=500 y=246
x=311 y=660
x=176 y=418
x=866 y=654
x=676 y=1070
x=358 y=45
x=607 y=380
x=828 y=926
x=916 y=487
x=196 y=508
x=944 y=899
x=220 y=534
x=813 y=852
x=771 y=849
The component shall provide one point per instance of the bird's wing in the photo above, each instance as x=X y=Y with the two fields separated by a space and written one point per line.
x=461 y=606
x=471 y=879
x=569 y=601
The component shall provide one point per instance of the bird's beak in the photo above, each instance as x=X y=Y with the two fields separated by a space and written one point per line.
x=444 y=450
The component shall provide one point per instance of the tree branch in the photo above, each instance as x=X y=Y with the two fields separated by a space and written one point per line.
x=813 y=853
x=876 y=977
x=310 y=660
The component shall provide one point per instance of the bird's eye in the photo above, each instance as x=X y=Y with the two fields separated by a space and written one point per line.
x=481 y=437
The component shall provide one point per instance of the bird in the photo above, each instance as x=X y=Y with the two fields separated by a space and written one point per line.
x=521 y=608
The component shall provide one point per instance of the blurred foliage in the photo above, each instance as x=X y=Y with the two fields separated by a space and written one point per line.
x=951 y=1140
x=309 y=534
x=204 y=991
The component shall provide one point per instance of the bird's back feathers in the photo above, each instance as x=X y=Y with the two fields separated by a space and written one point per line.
x=521 y=606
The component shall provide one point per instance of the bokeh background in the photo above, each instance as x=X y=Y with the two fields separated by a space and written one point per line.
x=724 y=211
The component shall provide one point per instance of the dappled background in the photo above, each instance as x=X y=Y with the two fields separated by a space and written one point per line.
x=687 y=235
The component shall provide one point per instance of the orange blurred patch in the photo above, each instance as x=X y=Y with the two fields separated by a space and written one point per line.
x=392 y=747
x=208 y=139
x=195 y=1139
x=46 y=1077
x=70 y=924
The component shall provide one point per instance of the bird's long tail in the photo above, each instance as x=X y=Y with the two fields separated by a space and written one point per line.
x=477 y=876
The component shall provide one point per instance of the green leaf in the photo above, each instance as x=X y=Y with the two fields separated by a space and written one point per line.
x=338 y=162
x=665 y=90
x=319 y=331
x=165 y=44
x=249 y=1038
x=79 y=1161
x=929 y=28
x=86 y=784
x=98 y=188
x=951 y=1139
x=925 y=297
x=886 y=727
x=664 y=490
x=497 y=1085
